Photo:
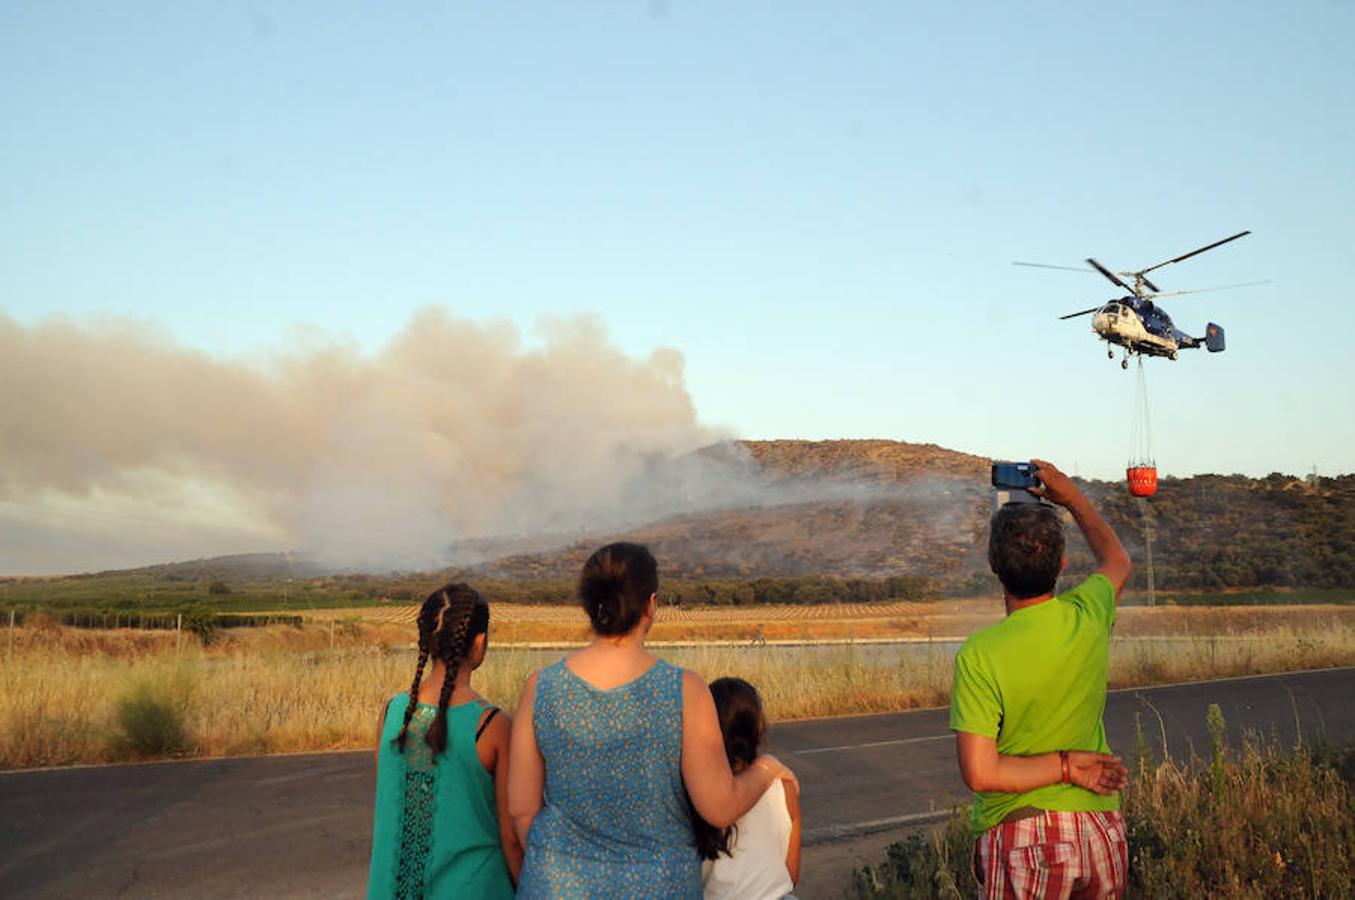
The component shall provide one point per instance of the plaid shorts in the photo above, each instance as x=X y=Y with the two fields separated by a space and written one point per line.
x=1053 y=854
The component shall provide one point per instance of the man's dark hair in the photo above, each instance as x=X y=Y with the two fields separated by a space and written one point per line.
x=1025 y=548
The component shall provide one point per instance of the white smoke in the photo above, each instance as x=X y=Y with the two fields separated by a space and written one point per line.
x=453 y=430
x=455 y=442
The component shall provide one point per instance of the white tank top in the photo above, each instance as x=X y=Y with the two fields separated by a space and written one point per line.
x=757 y=869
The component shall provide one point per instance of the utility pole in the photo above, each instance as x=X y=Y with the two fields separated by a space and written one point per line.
x=1148 y=547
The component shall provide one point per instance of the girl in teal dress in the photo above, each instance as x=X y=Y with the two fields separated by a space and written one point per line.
x=441 y=769
x=607 y=746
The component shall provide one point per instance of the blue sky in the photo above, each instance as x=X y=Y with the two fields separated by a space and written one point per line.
x=818 y=204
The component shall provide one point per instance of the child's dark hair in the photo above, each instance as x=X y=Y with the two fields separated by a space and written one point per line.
x=744 y=727
x=615 y=586
x=449 y=621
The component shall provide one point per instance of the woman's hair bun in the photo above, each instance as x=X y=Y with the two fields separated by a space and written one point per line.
x=615 y=586
x=601 y=597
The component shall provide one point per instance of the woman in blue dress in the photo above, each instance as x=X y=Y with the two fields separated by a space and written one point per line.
x=607 y=746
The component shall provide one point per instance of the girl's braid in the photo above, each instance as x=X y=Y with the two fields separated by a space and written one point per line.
x=453 y=639
x=430 y=616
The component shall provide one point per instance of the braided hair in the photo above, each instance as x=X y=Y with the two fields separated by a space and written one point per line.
x=449 y=621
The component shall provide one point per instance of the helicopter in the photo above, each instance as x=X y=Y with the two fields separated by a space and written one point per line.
x=1136 y=322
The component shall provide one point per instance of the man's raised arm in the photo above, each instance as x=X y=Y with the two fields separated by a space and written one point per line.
x=1111 y=559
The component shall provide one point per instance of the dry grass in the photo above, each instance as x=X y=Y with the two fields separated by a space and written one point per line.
x=521 y=623
x=319 y=687
x=1255 y=823
x=58 y=693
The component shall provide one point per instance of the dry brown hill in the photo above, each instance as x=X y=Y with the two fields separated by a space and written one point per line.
x=883 y=508
x=869 y=508
x=864 y=460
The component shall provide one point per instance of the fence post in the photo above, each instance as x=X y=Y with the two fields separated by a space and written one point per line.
x=9 y=650
x=178 y=636
x=331 y=635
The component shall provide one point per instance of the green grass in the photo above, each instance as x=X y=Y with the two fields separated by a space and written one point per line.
x=150 y=593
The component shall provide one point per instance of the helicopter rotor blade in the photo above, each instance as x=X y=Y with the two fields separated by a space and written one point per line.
x=1047 y=266
x=1083 y=313
x=1149 y=285
x=1194 y=252
x=1109 y=274
x=1222 y=287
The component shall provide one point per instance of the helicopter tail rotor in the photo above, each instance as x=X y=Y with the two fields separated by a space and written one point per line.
x=1213 y=338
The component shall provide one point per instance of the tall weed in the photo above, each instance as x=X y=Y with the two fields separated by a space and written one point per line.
x=1257 y=823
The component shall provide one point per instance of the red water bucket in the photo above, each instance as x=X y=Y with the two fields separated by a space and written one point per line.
x=1142 y=480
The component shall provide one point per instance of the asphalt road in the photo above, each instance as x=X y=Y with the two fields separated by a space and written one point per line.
x=299 y=826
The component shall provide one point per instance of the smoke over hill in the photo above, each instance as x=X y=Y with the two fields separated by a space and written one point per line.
x=452 y=430
x=453 y=444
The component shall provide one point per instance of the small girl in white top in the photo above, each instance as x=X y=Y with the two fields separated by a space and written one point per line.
x=758 y=857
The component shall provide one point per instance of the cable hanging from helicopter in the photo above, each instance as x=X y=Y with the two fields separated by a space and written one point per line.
x=1141 y=470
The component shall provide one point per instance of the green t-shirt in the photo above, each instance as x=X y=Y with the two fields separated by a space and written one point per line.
x=1036 y=681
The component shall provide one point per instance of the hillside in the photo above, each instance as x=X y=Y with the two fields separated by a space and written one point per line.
x=871 y=461
x=869 y=508
x=923 y=510
x=846 y=509
x=936 y=535
x=1221 y=531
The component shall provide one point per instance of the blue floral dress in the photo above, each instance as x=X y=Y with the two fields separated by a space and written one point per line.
x=614 y=821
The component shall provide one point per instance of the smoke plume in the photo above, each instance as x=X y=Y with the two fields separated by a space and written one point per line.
x=451 y=431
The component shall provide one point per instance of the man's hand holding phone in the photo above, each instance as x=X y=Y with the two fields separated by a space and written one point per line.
x=1054 y=486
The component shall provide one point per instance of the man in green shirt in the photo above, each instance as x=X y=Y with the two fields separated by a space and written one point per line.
x=1026 y=708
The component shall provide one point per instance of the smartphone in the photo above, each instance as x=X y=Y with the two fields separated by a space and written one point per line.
x=1014 y=476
